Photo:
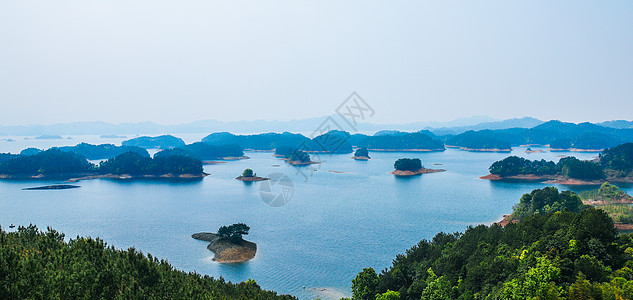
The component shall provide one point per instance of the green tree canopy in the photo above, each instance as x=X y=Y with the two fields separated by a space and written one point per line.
x=408 y=164
x=234 y=232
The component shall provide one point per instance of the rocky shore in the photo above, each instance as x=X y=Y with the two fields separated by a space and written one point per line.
x=418 y=172
x=361 y=158
x=226 y=251
x=251 y=178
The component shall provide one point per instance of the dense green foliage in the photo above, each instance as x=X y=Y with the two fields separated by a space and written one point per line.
x=157 y=142
x=607 y=193
x=619 y=158
x=545 y=256
x=514 y=165
x=361 y=152
x=248 y=173
x=569 y=167
x=264 y=141
x=204 y=151
x=52 y=161
x=546 y=200
x=40 y=265
x=416 y=140
x=103 y=151
x=484 y=139
x=134 y=164
x=234 y=232
x=408 y=164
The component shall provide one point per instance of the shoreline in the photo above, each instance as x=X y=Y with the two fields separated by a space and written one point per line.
x=361 y=157
x=87 y=176
x=406 y=150
x=418 y=172
x=554 y=179
x=251 y=178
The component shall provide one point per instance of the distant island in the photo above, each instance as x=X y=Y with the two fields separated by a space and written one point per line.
x=157 y=142
x=614 y=164
x=361 y=154
x=248 y=176
x=422 y=141
x=228 y=245
x=411 y=167
x=478 y=141
x=48 y=137
x=54 y=163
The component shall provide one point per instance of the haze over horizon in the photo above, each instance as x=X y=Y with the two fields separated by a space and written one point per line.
x=174 y=63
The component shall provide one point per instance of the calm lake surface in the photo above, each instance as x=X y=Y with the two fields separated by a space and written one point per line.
x=333 y=225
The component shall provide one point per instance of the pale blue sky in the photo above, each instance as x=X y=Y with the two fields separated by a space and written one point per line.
x=179 y=61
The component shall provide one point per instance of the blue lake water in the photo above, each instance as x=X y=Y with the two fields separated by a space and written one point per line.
x=334 y=225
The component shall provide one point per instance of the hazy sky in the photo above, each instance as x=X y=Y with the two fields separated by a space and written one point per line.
x=179 y=61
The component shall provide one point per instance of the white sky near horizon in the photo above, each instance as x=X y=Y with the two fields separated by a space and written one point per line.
x=179 y=61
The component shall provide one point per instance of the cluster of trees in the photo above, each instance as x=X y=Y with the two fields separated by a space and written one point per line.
x=234 y=232
x=157 y=142
x=52 y=161
x=361 y=152
x=7 y=156
x=618 y=159
x=408 y=164
x=297 y=155
x=40 y=265
x=569 y=167
x=135 y=164
x=575 y=255
x=546 y=200
x=57 y=162
x=248 y=173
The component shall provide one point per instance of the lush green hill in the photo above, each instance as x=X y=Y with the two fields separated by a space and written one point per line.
x=560 y=255
x=40 y=265
x=49 y=162
x=568 y=167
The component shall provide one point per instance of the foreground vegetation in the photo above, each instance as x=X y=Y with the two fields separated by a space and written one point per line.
x=37 y=265
x=574 y=255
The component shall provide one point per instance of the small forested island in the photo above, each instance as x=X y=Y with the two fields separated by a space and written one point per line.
x=248 y=175
x=361 y=154
x=294 y=156
x=48 y=137
x=529 y=150
x=411 y=167
x=613 y=164
x=54 y=163
x=40 y=265
x=157 y=142
x=614 y=201
x=228 y=245
x=560 y=249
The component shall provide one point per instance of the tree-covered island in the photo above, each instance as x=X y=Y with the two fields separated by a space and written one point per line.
x=228 y=245
x=411 y=167
x=55 y=163
x=613 y=164
x=361 y=154
x=248 y=176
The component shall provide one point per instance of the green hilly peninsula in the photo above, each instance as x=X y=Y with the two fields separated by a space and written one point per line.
x=41 y=265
